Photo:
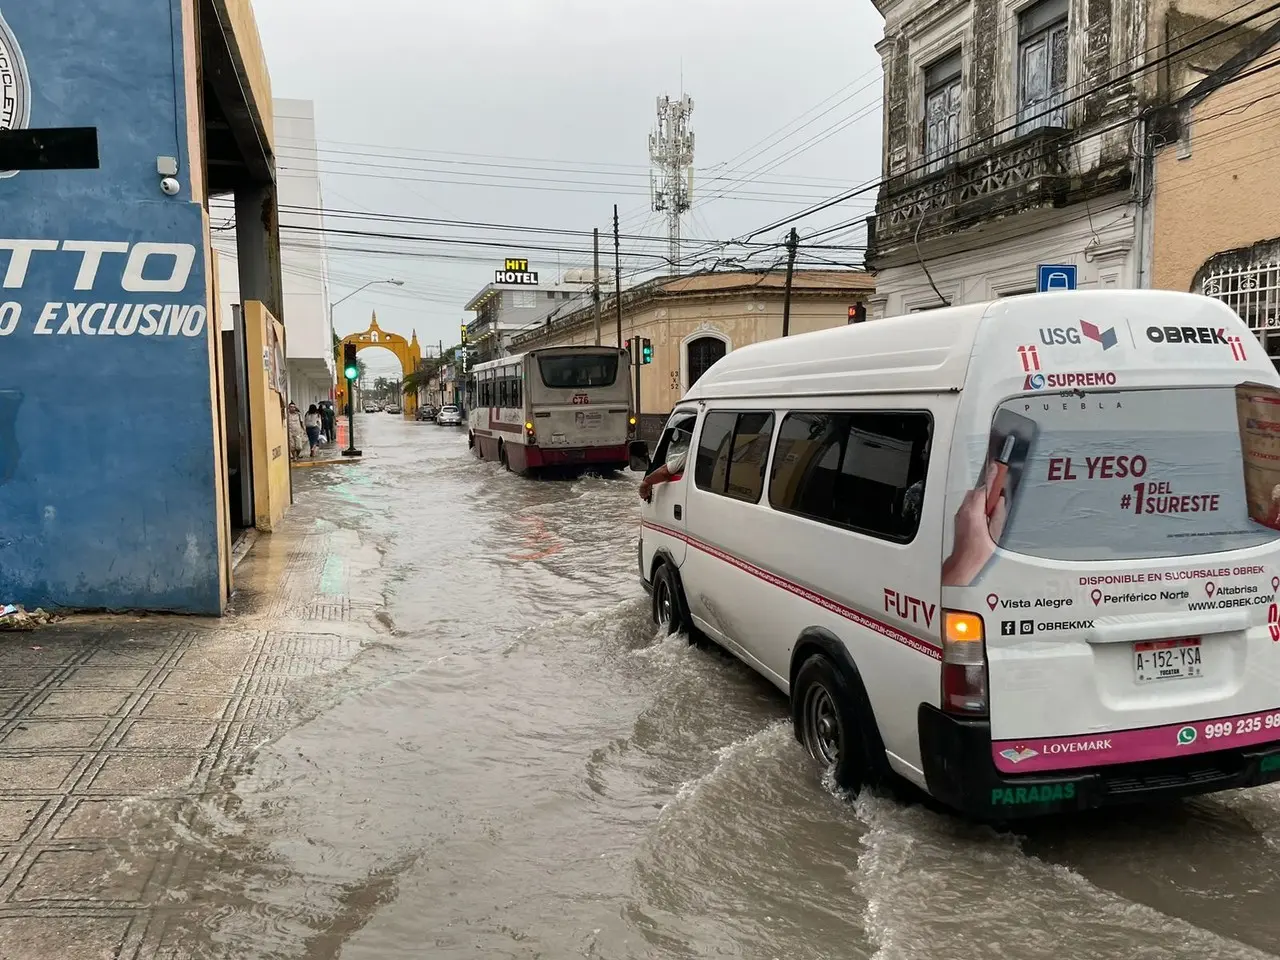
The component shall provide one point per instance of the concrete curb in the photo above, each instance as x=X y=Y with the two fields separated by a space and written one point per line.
x=302 y=464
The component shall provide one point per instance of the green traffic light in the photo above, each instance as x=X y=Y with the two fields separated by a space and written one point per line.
x=351 y=372
x=647 y=354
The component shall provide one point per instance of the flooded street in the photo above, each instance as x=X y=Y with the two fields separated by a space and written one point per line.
x=518 y=768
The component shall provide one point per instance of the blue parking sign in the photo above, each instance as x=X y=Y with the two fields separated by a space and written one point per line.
x=1055 y=276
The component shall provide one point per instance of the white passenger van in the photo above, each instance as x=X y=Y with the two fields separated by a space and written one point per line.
x=1023 y=554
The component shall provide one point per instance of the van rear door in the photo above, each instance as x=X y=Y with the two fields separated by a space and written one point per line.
x=1115 y=526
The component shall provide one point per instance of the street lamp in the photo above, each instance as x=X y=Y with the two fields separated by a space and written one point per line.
x=351 y=393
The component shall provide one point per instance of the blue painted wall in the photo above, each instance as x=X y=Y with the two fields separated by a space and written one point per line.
x=107 y=491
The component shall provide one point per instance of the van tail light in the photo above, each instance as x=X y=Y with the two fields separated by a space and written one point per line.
x=631 y=427
x=964 y=664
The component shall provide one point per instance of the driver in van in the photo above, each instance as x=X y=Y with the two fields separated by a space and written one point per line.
x=674 y=462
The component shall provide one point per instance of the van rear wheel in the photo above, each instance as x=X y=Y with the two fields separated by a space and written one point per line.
x=830 y=724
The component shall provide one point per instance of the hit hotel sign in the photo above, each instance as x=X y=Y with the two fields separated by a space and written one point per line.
x=516 y=271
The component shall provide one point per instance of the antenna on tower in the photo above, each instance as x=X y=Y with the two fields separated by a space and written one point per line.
x=671 y=184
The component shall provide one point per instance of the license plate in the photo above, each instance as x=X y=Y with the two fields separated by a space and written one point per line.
x=1166 y=659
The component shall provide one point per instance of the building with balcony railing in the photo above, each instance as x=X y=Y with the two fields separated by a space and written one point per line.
x=1007 y=143
x=1021 y=132
x=516 y=302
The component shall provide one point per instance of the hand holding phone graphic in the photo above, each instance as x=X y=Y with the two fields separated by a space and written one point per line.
x=984 y=511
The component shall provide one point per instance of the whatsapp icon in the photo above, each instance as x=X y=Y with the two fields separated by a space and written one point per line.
x=1186 y=735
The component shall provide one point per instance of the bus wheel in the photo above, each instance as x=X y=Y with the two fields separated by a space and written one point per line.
x=471 y=441
x=502 y=455
x=668 y=604
x=830 y=723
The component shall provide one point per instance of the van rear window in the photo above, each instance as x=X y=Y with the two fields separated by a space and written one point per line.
x=1134 y=474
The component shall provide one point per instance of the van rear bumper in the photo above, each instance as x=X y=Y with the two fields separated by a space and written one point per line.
x=956 y=757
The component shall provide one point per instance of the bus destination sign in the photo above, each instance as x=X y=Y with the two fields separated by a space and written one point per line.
x=516 y=271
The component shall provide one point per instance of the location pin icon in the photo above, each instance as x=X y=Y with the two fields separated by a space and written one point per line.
x=1275 y=584
x=992 y=600
x=1209 y=588
x=1096 y=597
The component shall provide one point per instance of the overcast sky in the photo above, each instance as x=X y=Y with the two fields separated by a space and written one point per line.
x=536 y=113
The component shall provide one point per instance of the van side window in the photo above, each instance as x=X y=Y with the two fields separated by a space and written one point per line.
x=863 y=470
x=732 y=454
x=679 y=422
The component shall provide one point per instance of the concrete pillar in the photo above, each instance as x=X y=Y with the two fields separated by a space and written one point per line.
x=258 y=248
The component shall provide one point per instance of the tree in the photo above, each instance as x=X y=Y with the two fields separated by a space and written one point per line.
x=421 y=378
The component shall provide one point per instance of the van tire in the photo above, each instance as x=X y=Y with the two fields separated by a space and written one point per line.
x=668 y=608
x=834 y=725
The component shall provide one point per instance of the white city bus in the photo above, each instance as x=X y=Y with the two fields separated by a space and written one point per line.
x=553 y=407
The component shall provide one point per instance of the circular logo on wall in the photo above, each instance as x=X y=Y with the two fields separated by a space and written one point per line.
x=15 y=85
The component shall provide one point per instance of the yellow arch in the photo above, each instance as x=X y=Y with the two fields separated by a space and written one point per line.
x=408 y=352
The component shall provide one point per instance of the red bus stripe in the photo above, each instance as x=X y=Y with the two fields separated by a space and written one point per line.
x=884 y=629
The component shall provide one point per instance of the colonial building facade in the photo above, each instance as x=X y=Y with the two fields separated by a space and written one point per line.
x=691 y=322
x=1016 y=133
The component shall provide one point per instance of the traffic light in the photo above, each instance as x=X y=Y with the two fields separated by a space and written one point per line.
x=350 y=369
x=646 y=351
x=858 y=313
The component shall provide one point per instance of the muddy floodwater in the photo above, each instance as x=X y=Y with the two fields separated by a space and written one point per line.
x=516 y=766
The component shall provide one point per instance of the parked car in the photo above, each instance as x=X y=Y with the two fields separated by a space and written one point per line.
x=393 y=408
x=370 y=407
x=427 y=412
x=449 y=416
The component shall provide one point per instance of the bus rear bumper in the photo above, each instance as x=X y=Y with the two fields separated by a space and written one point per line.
x=959 y=772
x=614 y=455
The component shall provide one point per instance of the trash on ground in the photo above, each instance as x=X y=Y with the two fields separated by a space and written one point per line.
x=14 y=617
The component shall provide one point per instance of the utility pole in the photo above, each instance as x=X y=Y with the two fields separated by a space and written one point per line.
x=671 y=185
x=793 y=241
x=617 y=273
x=595 y=289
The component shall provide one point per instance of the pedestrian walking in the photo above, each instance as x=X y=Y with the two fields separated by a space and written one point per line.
x=329 y=415
x=297 y=432
x=312 y=422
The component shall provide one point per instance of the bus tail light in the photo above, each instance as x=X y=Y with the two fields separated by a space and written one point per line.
x=964 y=664
x=631 y=427
x=529 y=433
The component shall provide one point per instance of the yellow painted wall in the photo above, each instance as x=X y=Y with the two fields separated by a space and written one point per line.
x=743 y=319
x=271 y=490
x=243 y=26
x=1223 y=195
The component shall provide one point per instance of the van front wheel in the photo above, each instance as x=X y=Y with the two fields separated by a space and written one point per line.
x=829 y=723
x=668 y=609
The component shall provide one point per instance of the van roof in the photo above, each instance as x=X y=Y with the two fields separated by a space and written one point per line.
x=929 y=352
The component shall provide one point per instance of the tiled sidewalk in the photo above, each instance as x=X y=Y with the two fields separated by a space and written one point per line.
x=113 y=728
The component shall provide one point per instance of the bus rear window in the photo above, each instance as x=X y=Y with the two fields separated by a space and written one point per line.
x=579 y=371
x=1134 y=474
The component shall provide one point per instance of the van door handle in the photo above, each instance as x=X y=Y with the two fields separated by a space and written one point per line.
x=678 y=511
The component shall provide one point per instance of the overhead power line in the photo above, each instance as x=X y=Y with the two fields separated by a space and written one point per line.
x=1012 y=128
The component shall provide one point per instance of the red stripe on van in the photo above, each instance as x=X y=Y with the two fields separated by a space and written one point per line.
x=855 y=616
